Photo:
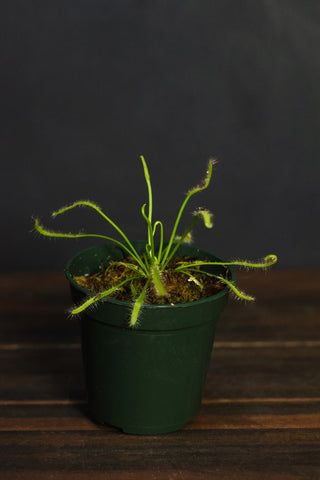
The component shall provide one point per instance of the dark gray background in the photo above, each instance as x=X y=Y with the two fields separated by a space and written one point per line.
x=88 y=86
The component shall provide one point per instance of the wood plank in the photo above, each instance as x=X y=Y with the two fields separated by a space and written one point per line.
x=264 y=372
x=46 y=386
x=29 y=284
x=227 y=414
x=38 y=328
x=260 y=417
x=202 y=422
x=269 y=321
x=239 y=322
x=233 y=372
x=205 y=453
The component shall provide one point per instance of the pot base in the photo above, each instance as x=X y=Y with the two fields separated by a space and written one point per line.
x=143 y=430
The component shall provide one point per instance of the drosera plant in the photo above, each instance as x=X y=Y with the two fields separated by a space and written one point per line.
x=149 y=267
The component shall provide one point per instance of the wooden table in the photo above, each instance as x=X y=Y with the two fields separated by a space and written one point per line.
x=260 y=417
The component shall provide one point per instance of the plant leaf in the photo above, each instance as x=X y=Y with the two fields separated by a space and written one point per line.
x=137 y=306
x=156 y=278
x=90 y=301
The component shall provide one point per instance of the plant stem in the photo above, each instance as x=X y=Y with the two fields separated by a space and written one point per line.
x=164 y=264
x=196 y=189
x=150 y=206
x=99 y=296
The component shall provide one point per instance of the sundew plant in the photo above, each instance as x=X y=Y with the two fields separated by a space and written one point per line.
x=152 y=263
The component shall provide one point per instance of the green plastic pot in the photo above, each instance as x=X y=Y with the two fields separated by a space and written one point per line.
x=149 y=379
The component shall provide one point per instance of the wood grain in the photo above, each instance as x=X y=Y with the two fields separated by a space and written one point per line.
x=260 y=416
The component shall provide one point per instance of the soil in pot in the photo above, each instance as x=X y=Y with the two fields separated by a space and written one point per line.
x=180 y=287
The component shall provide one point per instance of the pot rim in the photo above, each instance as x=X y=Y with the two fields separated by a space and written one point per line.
x=146 y=305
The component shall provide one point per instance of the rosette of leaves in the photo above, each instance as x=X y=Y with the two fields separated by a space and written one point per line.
x=152 y=263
